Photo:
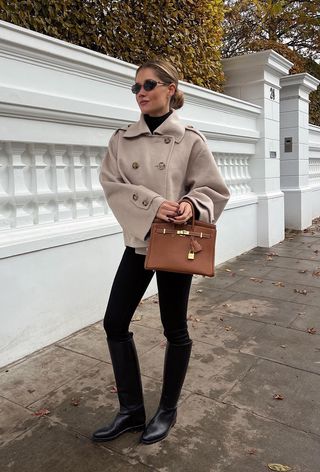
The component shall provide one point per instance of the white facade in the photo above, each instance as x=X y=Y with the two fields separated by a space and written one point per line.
x=59 y=242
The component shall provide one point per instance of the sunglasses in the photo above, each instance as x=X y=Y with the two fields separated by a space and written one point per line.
x=148 y=85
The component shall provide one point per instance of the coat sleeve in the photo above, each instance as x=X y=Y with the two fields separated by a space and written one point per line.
x=206 y=188
x=134 y=206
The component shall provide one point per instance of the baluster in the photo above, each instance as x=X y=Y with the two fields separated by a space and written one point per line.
x=23 y=185
x=95 y=165
x=45 y=183
x=65 y=195
x=5 y=187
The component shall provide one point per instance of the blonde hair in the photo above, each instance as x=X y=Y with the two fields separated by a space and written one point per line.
x=168 y=74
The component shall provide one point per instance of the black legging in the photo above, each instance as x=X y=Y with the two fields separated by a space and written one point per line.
x=130 y=283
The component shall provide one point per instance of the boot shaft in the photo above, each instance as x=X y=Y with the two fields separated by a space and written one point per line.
x=127 y=374
x=176 y=363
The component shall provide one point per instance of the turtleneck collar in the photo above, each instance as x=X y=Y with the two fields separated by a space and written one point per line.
x=154 y=121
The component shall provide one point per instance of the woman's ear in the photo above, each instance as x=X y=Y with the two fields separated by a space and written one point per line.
x=172 y=89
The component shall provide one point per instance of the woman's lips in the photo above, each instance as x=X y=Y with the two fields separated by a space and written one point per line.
x=143 y=102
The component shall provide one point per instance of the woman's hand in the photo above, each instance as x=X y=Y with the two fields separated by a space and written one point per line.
x=168 y=211
x=184 y=213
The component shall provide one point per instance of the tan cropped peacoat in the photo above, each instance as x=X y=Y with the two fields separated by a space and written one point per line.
x=141 y=170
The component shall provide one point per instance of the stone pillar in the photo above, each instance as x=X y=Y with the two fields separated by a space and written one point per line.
x=256 y=79
x=294 y=149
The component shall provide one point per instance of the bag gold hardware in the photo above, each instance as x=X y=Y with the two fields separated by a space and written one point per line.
x=191 y=255
x=183 y=232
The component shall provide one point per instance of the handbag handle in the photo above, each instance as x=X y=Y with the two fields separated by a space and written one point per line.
x=193 y=217
x=193 y=213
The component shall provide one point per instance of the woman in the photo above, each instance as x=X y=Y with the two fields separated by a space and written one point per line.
x=155 y=168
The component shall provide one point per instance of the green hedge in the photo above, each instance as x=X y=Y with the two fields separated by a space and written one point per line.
x=189 y=32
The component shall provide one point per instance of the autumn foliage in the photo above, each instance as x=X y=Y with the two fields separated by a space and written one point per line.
x=189 y=32
x=290 y=27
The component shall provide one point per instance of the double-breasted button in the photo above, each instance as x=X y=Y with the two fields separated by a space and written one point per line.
x=161 y=165
x=167 y=140
x=145 y=203
x=135 y=165
x=135 y=197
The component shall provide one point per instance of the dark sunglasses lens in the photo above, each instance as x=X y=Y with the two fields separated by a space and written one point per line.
x=149 y=85
x=136 y=88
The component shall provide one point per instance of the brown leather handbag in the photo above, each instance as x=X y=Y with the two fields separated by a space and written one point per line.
x=188 y=249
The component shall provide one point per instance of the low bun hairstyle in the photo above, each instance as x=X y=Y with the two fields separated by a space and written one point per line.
x=168 y=74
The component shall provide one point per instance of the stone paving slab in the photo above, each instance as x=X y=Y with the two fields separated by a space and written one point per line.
x=300 y=276
x=266 y=310
x=307 y=318
x=27 y=381
x=52 y=447
x=212 y=437
x=15 y=419
x=273 y=289
x=93 y=343
x=286 y=346
x=212 y=371
x=300 y=406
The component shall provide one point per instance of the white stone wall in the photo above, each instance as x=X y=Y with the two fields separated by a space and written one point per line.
x=314 y=168
x=59 y=242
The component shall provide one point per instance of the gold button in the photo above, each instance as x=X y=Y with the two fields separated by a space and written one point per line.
x=135 y=165
x=145 y=203
x=161 y=165
x=167 y=140
x=135 y=196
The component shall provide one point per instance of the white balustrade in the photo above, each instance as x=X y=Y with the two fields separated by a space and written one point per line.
x=236 y=172
x=49 y=183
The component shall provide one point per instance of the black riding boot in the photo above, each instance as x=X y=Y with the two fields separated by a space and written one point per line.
x=131 y=416
x=175 y=368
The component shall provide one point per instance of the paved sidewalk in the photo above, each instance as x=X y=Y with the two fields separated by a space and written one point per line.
x=251 y=396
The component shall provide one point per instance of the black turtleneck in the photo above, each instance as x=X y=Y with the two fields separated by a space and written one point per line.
x=154 y=122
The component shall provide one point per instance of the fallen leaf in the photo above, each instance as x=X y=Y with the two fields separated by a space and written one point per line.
x=302 y=271
x=311 y=330
x=199 y=291
x=251 y=451
x=114 y=389
x=316 y=273
x=272 y=254
x=75 y=401
x=278 y=284
x=301 y=313
x=302 y=292
x=279 y=467
x=228 y=328
x=155 y=301
x=137 y=318
x=278 y=396
x=226 y=305
x=221 y=319
x=283 y=346
x=269 y=258
x=228 y=270
x=42 y=412
x=254 y=279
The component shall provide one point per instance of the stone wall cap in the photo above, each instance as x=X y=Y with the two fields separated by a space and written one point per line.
x=303 y=79
x=268 y=58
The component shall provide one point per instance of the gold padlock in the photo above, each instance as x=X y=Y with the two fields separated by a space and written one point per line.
x=191 y=254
